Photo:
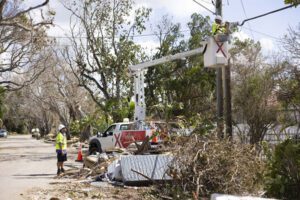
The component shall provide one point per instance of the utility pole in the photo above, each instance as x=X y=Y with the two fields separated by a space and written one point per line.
x=227 y=97
x=220 y=123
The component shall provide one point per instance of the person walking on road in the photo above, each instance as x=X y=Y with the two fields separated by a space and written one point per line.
x=61 y=148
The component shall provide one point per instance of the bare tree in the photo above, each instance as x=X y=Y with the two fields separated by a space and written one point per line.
x=291 y=43
x=22 y=38
x=58 y=91
x=53 y=98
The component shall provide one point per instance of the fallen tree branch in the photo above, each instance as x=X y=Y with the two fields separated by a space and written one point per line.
x=143 y=175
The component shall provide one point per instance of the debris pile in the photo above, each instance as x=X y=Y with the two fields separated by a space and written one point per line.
x=93 y=165
x=121 y=167
x=208 y=165
x=177 y=170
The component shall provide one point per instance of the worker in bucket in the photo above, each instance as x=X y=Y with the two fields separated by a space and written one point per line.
x=217 y=26
x=220 y=31
x=61 y=148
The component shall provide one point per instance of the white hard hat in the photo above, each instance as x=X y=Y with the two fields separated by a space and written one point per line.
x=218 y=17
x=61 y=126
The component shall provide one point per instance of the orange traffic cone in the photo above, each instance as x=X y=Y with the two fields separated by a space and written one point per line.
x=155 y=137
x=79 y=155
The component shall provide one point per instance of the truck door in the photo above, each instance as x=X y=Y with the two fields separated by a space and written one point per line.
x=107 y=138
x=117 y=135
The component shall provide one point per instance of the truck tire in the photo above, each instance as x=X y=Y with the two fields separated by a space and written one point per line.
x=94 y=147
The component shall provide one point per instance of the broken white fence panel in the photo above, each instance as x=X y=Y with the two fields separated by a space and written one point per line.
x=149 y=168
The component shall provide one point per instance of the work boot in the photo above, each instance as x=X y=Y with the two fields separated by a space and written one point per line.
x=62 y=170
x=58 y=171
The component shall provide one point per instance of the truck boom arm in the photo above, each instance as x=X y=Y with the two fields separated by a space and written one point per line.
x=168 y=58
x=138 y=72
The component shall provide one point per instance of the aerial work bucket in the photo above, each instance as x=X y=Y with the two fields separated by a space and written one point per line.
x=216 y=54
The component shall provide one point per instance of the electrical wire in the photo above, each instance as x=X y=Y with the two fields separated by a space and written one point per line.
x=265 y=34
x=244 y=10
x=151 y=34
x=85 y=37
x=250 y=29
x=208 y=2
x=204 y=7
x=277 y=39
x=265 y=14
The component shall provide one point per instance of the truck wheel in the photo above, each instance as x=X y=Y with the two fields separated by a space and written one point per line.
x=94 y=147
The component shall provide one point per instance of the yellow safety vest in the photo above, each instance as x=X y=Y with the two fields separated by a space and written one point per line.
x=217 y=28
x=60 y=138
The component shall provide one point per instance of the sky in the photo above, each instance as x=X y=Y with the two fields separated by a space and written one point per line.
x=267 y=29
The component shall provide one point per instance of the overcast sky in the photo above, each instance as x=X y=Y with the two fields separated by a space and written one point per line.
x=265 y=29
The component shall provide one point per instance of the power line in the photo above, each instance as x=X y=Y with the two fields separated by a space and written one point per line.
x=265 y=14
x=277 y=39
x=208 y=2
x=242 y=3
x=152 y=34
x=204 y=7
x=250 y=29
x=149 y=35
x=133 y=36
x=265 y=34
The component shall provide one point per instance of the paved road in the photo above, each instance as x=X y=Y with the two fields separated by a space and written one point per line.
x=24 y=163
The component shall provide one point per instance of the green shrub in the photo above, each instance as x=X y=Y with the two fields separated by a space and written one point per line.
x=283 y=175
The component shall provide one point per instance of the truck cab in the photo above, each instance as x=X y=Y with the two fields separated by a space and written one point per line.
x=108 y=139
x=121 y=135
